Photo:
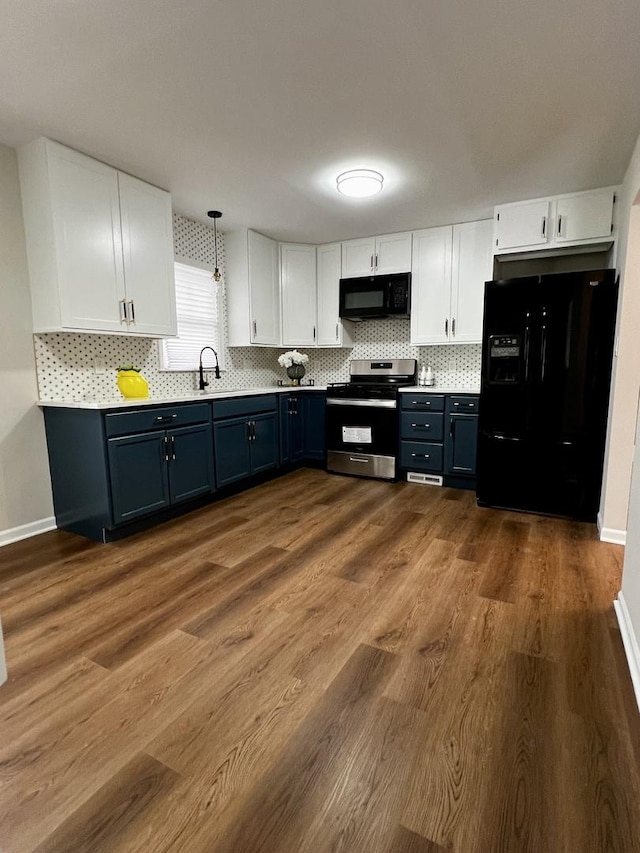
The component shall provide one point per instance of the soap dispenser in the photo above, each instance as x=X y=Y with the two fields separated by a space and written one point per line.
x=429 y=378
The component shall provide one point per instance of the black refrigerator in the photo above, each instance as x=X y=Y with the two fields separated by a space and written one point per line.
x=546 y=369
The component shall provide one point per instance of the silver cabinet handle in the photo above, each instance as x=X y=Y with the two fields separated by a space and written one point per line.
x=173 y=448
x=337 y=332
x=166 y=448
x=453 y=327
x=161 y=418
x=422 y=426
x=371 y=263
x=544 y=226
x=446 y=328
x=421 y=402
x=560 y=225
x=255 y=328
x=123 y=311
x=456 y=404
x=314 y=333
x=132 y=311
x=376 y=262
x=421 y=455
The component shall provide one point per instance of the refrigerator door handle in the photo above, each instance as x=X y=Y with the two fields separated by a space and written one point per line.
x=543 y=346
x=527 y=348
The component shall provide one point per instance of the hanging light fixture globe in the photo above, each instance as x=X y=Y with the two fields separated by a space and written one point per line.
x=215 y=215
x=359 y=183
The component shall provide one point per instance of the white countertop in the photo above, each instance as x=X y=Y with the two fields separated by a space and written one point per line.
x=438 y=389
x=195 y=397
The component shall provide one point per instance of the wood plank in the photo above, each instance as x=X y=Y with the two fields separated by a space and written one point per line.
x=117 y=809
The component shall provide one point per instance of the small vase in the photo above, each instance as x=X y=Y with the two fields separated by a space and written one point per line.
x=132 y=385
x=295 y=373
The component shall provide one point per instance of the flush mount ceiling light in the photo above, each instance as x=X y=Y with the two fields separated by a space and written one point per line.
x=215 y=215
x=359 y=183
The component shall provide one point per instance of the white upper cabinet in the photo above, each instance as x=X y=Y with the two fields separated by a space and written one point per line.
x=298 y=294
x=522 y=226
x=431 y=285
x=86 y=274
x=332 y=331
x=389 y=253
x=576 y=219
x=253 y=289
x=471 y=266
x=450 y=267
x=584 y=216
x=147 y=242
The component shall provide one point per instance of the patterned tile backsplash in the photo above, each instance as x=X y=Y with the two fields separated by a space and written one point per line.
x=77 y=367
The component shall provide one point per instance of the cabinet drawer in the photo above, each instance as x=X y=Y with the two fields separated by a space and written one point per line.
x=240 y=406
x=423 y=402
x=141 y=420
x=422 y=425
x=467 y=405
x=421 y=456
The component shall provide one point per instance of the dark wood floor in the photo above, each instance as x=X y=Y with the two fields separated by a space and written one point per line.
x=320 y=664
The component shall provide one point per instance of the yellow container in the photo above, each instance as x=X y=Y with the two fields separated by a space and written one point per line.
x=132 y=384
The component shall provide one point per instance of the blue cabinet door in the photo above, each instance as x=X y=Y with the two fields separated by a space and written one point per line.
x=231 y=446
x=297 y=427
x=139 y=475
x=264 y=447
x=314 y=426
x=284 y=412
x=190 y=462
x=461 y=445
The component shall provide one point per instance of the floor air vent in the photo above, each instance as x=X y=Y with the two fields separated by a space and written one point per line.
x=425 y=479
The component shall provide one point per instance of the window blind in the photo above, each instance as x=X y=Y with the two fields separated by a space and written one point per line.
x=198 y=319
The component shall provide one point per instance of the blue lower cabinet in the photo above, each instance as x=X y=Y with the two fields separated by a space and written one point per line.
x=139 y=475
x=191 y=472
x=264 y=445
x=291 y=428
x=462 y=445
x=249 y=443
x=231 y=443
x=421 y=456
x=150 y=471
x=314 y=425
x=302 y=420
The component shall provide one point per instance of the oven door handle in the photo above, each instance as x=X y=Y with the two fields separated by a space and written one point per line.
x=367 y=404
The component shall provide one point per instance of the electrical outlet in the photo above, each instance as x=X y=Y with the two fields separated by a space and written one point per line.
x=452 y=363
x=246 y=364
x=99 y=366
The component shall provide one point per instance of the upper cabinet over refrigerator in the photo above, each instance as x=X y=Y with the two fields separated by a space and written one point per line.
x=575 y=219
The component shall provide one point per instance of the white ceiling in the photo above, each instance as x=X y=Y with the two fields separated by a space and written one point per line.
x=254 y=106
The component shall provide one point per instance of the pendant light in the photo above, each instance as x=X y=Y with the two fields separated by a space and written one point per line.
x=215 y=215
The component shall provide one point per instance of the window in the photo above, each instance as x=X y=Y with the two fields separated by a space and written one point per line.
x=199 y=321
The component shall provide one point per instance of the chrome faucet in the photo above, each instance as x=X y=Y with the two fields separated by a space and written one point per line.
x=203 y=384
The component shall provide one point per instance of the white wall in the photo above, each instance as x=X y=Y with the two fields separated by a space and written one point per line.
x=626 y=378
x=25 y=488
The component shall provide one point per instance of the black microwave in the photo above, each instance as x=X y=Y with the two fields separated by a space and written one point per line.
x=375 y=296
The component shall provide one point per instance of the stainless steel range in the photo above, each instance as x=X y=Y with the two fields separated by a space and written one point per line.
x=362 y=417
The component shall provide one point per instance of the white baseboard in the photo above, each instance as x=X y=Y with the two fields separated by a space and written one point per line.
x=24 y=531
x=610 y=534
x=630 y=642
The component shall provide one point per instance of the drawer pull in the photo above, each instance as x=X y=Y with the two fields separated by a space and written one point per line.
x=422 y=403
x=421 y=455
x=356 y=459
x=421 y=426
x=161 y=418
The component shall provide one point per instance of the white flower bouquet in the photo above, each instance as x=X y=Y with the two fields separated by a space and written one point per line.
x=288 y=359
